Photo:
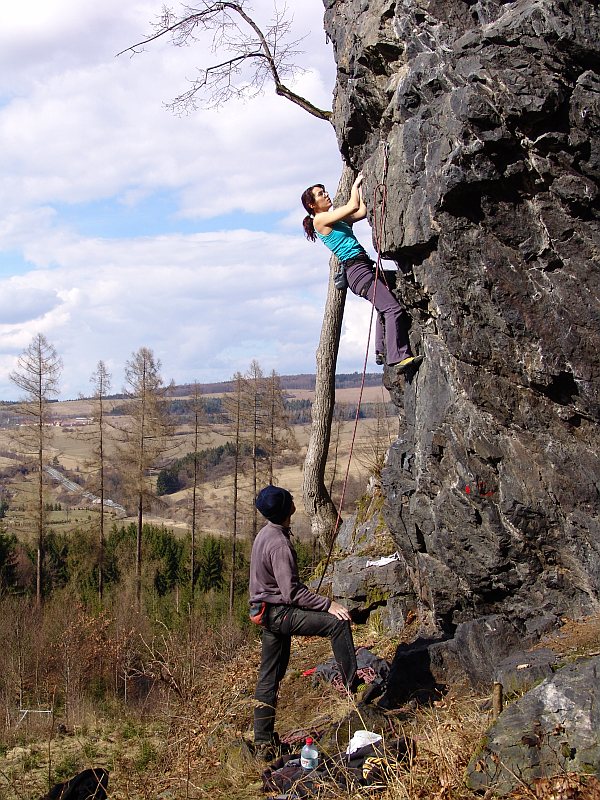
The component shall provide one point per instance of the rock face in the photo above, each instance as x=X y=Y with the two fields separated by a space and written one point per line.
x=554 y=728
x=483 y=120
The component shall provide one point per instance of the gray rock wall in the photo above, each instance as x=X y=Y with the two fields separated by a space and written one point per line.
x=554 y=729
x=483 y=120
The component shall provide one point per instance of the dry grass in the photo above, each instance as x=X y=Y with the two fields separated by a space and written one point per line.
x=189 y=748
x=445 y=735
x=208 y=762
x=204 y=743
x=576 y=638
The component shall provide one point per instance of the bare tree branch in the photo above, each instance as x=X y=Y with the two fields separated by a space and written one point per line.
x=269 y=53
x=271 y=56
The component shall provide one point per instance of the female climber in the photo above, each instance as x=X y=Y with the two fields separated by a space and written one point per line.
x=334 y=227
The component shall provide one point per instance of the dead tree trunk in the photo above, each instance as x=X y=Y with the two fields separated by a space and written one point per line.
x=317 y=501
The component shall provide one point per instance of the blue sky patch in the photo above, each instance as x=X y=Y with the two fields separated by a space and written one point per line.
x=153 y=216
x=13 y=263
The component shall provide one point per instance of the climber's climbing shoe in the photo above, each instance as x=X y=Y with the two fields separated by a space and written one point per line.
x=412 y=362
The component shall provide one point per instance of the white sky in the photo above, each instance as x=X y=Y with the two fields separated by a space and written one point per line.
x=122 y=225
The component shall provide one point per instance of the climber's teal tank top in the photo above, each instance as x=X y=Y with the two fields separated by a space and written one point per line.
x=342 y=242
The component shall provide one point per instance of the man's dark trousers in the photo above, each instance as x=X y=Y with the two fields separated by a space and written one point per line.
x=281 y=623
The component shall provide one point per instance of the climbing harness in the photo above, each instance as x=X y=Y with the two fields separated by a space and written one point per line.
x=380 y=194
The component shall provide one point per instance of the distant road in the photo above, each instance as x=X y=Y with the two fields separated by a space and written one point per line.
x=74 y=487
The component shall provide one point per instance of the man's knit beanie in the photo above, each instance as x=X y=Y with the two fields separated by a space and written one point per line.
x=274 y=503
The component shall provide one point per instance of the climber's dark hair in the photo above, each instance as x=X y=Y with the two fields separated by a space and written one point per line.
x=308 y=200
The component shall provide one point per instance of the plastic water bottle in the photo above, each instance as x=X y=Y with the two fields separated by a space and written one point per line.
x=309 y=755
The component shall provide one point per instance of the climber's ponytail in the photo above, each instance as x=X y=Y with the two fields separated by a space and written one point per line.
x=307 y=200
x=309 y=228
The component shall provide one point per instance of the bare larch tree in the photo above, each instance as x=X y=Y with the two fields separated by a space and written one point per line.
x=146 y=438
x=198 y=416
x=234 y=408
x=257 y=425
x=37 y=375
x=280 y=435
x=101 y=382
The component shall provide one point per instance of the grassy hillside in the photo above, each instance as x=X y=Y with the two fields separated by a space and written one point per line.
x=70 y=452
x=162 y=697
x=178 y=734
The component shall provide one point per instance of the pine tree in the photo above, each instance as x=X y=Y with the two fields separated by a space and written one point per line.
x=210 y=564
x=8 y=560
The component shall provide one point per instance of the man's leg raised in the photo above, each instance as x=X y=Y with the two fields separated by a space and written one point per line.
x=303 y=622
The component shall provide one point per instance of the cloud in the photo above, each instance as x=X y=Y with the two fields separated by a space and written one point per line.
x=228 y=277
x=206 y=303
x=22 y=304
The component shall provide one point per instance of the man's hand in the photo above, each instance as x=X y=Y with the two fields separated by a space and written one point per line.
x=339 y=611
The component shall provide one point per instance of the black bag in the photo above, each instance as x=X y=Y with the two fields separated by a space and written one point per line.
x=340 y=280
x=288 y=777
x=91 y=784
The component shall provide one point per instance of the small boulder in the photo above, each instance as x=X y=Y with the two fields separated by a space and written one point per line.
x=554 y=728
x=521 y=671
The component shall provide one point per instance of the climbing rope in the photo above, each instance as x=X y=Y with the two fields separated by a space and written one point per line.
x=379 y=193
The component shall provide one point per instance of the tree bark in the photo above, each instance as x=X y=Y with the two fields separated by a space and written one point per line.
x=317 y=502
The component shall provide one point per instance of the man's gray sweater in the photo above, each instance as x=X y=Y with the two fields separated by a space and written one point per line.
x=274 y=572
